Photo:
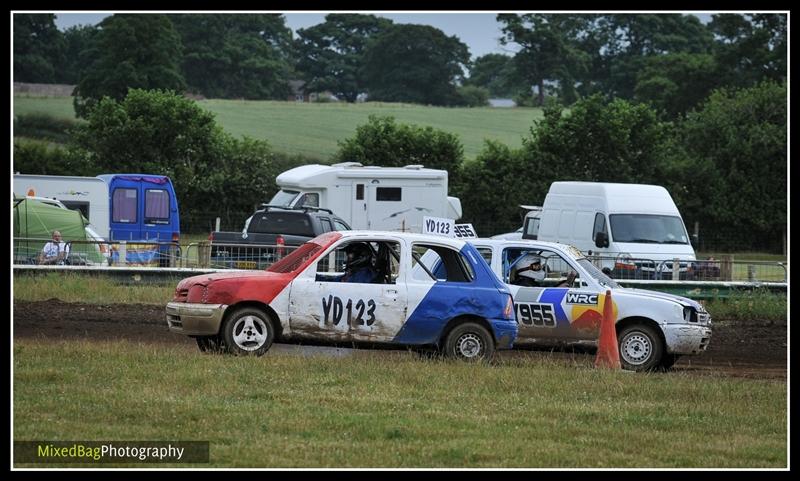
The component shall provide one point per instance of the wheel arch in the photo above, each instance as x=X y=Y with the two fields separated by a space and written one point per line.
x=635 y=320
x=272 y=316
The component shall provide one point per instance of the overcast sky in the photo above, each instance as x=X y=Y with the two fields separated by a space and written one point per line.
x=480 y=31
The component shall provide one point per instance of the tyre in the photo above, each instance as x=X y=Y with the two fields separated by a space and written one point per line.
x=469 y=342
x=248 y=332
x=669 y=360
x=640 y=348
x=210 y=344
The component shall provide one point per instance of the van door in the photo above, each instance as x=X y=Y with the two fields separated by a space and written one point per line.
x=359 y=219
x=388 y=208
x=156 y=202
x=125 y=211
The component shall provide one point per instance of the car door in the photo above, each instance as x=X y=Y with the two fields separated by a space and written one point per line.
x=321 y=306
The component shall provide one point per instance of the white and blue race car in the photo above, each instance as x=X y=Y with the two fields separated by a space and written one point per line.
x=311 y=294
x=564 y=305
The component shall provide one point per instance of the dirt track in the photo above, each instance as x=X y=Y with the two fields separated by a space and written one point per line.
x=753 y=349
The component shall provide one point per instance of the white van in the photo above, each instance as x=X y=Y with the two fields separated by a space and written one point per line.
x=367 y=197
x=635 y=230
x=87 y=194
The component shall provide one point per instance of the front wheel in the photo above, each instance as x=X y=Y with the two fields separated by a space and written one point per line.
x=248 y=332
x=469 y=342
x=210 y=344
x=640 y=348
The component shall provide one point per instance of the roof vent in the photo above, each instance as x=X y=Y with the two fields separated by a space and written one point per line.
x=414 y=167
x=348 y=164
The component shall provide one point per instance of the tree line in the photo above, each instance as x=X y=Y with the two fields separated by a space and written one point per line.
x=672 y=62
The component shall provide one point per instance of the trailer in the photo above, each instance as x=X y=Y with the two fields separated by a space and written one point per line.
x=370 y=197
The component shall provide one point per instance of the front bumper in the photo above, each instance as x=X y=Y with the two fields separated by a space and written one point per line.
x=686 y=338
x=505 y=331
x=195 y=319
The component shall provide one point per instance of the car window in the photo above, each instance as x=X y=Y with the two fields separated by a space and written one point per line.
x=287 y=223
x=486 y=253
x=383 y=266
x=444 y=263
x=326 y=224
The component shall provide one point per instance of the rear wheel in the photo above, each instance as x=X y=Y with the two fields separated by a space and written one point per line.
x=640 y=348
x=248 y=332
x=469 y=342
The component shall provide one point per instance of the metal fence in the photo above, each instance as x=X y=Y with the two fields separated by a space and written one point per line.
x=207 y=254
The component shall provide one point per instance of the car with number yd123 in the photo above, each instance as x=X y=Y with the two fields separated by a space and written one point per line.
x=559 y=295
x=313 y=295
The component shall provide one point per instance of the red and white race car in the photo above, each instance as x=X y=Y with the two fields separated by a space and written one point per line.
x=464 y=311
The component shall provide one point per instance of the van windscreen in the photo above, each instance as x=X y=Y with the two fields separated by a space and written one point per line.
x=648 y=229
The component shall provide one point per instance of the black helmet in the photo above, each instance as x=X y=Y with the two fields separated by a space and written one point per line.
x=359 y=255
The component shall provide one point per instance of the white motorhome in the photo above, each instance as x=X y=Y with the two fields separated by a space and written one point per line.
x=635 y=229
x=87 y=194
x=367 y=197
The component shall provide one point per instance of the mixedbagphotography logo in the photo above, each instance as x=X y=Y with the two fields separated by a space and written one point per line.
x=111 y=451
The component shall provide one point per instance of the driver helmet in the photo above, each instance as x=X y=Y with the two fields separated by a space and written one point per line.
x=529 y=266
x=359 y=255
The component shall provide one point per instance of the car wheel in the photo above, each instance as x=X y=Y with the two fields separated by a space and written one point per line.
x=248 y=332
x=210 y=344
x=469 y=342
x=640 y=348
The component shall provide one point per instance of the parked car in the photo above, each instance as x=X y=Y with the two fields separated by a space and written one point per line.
x=466 y=312
x=272 y=231
x=653 y=328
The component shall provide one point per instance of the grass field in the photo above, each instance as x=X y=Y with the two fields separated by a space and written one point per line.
x=376 y=409
x=313 y=129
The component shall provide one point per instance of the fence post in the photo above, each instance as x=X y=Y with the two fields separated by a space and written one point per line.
x=204 y=253
x=726 y=267
x=123 y=253
x=217 y=225
x=751 y=272
x=676 y=269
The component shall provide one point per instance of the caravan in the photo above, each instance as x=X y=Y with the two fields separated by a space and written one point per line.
x=367 y=197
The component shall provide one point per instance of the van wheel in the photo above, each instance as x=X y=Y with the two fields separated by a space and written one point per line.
x=210 y=344
x=469 y=342
x=640 y=348
x=248 y=332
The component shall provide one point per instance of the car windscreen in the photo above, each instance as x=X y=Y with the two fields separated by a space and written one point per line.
x=286 y=223
x=597 y=274
x=283 y=197
x=648 y=229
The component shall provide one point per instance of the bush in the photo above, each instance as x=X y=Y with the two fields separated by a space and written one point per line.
x=471 y=96
x=43 y=158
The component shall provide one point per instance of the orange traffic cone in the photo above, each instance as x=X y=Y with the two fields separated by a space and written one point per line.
x=607 y=348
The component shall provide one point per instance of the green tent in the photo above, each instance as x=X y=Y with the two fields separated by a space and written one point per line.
x=34 y=223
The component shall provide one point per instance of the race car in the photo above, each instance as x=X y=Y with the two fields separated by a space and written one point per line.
x=352 y=287
x=559 y=296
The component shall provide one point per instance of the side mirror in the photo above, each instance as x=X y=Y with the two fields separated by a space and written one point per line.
x=601 y=239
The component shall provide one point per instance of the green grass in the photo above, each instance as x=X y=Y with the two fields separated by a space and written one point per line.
x=313 y=129
x=388 y=409
x=90 y=289
x=749 y=305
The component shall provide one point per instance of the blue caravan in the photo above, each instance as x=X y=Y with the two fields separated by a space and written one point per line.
x=143 y=208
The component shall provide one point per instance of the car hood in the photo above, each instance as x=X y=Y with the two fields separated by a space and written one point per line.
x=206 y=279
x=664 y=296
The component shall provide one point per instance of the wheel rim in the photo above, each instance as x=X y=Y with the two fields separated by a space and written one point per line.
x=469 y=345
x=250 y=333
x=636 y=348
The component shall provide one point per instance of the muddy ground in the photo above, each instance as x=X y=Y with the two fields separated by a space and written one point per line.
x=752 y=349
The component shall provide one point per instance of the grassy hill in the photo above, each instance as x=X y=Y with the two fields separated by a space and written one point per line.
x=313 y=129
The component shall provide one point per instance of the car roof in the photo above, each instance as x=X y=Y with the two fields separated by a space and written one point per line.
x=409 y=236
x=524 y=243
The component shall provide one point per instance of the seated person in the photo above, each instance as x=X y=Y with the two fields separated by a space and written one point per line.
x=54 y=252
x=529 y=272
x=359 y=266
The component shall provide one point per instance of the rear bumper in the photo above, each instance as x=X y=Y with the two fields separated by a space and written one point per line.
x=195 y=319
x=505 y=331
x=686 y=339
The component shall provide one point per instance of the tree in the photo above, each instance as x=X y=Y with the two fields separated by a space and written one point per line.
x=739 y=138
x=236 y=56
x=78 y=52
x=676 y=83
x=382 y=141
x=751 y=47
x=38 y=48
x=497 y=73
x=416 y=64
x=549 y=49
x=132 y=51
x=331 y=54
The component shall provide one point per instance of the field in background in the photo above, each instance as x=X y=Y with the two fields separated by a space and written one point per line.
x=378 y=409
x=313 y=129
